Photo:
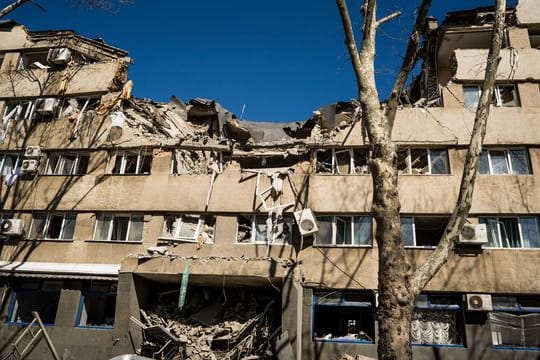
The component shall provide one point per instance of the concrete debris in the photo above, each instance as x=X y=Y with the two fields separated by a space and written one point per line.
x=157 y=250
x=215 y=323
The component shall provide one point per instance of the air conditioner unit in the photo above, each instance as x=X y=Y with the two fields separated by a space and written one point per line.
x=32 y=152
x=306 y=222
x=59 y=56
x=30 y=166
x=473 y=234
x=479 y=302
x=46 y=106
x=12 y=227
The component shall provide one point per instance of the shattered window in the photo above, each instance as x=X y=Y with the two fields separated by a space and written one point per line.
x=343 y=230
x=264 y=229
x=196 y=162
x=132 y=162
x=52 y=226
x=188 y=227
x=10 y=163
x=514 y=321
x=40 y=296
x=34 y=60
x=423 y=161
x=513 y=161
x=512 y=232
x=97 y=305
x=343 y=317
x=342 y=161
x=424 y=231
x=72 y=107
x=67 y=164
x=504 y=95
x=118 y=227
x=437 y=320
x=18 y=110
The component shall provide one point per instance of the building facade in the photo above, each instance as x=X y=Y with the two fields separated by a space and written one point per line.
x=136 y=226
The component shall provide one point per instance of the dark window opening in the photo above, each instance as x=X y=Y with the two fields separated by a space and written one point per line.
x=98 y=303
x=40 y=296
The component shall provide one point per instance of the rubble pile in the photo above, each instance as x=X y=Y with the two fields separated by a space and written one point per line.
x=213 y=324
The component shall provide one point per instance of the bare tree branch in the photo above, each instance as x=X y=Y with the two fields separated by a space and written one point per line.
x=387 y=18
x=437 y=259
x=12 y=7
x=411 y=56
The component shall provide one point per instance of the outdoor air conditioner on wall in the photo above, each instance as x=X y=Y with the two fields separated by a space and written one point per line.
x=479 y=302
x=473 y=234
x=59 y=56
x=12 y=227
x=30 y=166
x=32 y=152
x=46 y=106
x=307 y=224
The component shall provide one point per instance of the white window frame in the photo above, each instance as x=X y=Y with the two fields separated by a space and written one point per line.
x=178 y=227
x=45 y=230
x=275 y=240
x=350 y=223
x=19 y=109
x=352 y=166
x=520 y=231
x=414 y=218
x=18 y=161
x=408 y=161
x=508 y=160
x=111 y=226
x=61 y=160
x=496 y=95
x=123 y=158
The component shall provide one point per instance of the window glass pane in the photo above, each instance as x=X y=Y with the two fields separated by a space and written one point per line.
x=509 y=232
x=529 y=232
x=419 y=161
x=103 y=224
x=67 y=164
x=188 y=227
x=53 y=163
x=38 y=226
x=483 y=167
x=117 y=164
x=170 y=226
x=439 y=161
x=492 y=231
x=130 y=163
x=69 y=226
x=82 y=167
x=471 y=96
x=145 y=164
x=136 y=228
x=120 y=227
x=520 y=161
x=343 y=162
x=260 y=229
x=324 y=236
x=407 y=231
x=362 y=230
x=498 y=161
x=343 y=230
x=55 y=226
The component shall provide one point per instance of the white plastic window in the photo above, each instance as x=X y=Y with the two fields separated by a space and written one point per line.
x=67 y=164
x=512 y=232
x=343 y=230
x=53 y=226
x=118 y=227
x=514 y=161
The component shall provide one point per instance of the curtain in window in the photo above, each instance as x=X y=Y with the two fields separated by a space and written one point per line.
x=136 y=227
x=362 y=230
x=433 y=327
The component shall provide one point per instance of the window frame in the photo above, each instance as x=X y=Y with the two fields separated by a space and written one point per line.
x=518 y=310
x=499 y=240
x=507 y=158
x=496 y=99
x=16 y=290
x=253 y=236
x=87 y=293
x=350 y=223
x=124 y=155
x=111 y=226
x=342 y=303
x=408 y=162
x=414 y=234
x=19 y=157
x=45 y=230
x=456 y=307
x=352 y=164
x=60 y=161
x=178 y=229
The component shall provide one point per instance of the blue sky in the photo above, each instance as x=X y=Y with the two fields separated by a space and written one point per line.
x=282 y=59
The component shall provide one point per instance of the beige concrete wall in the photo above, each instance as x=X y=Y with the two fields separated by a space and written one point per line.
x=51 y=82
x=14 y=39
x=519 y=38
x=528 y=12
x=522 y=65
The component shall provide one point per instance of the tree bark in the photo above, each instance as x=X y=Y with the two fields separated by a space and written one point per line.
x=397 y=285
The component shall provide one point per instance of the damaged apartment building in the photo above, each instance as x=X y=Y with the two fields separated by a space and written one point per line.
x=178 y=231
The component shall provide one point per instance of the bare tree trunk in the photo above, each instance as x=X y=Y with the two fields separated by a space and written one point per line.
x=397 y=285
